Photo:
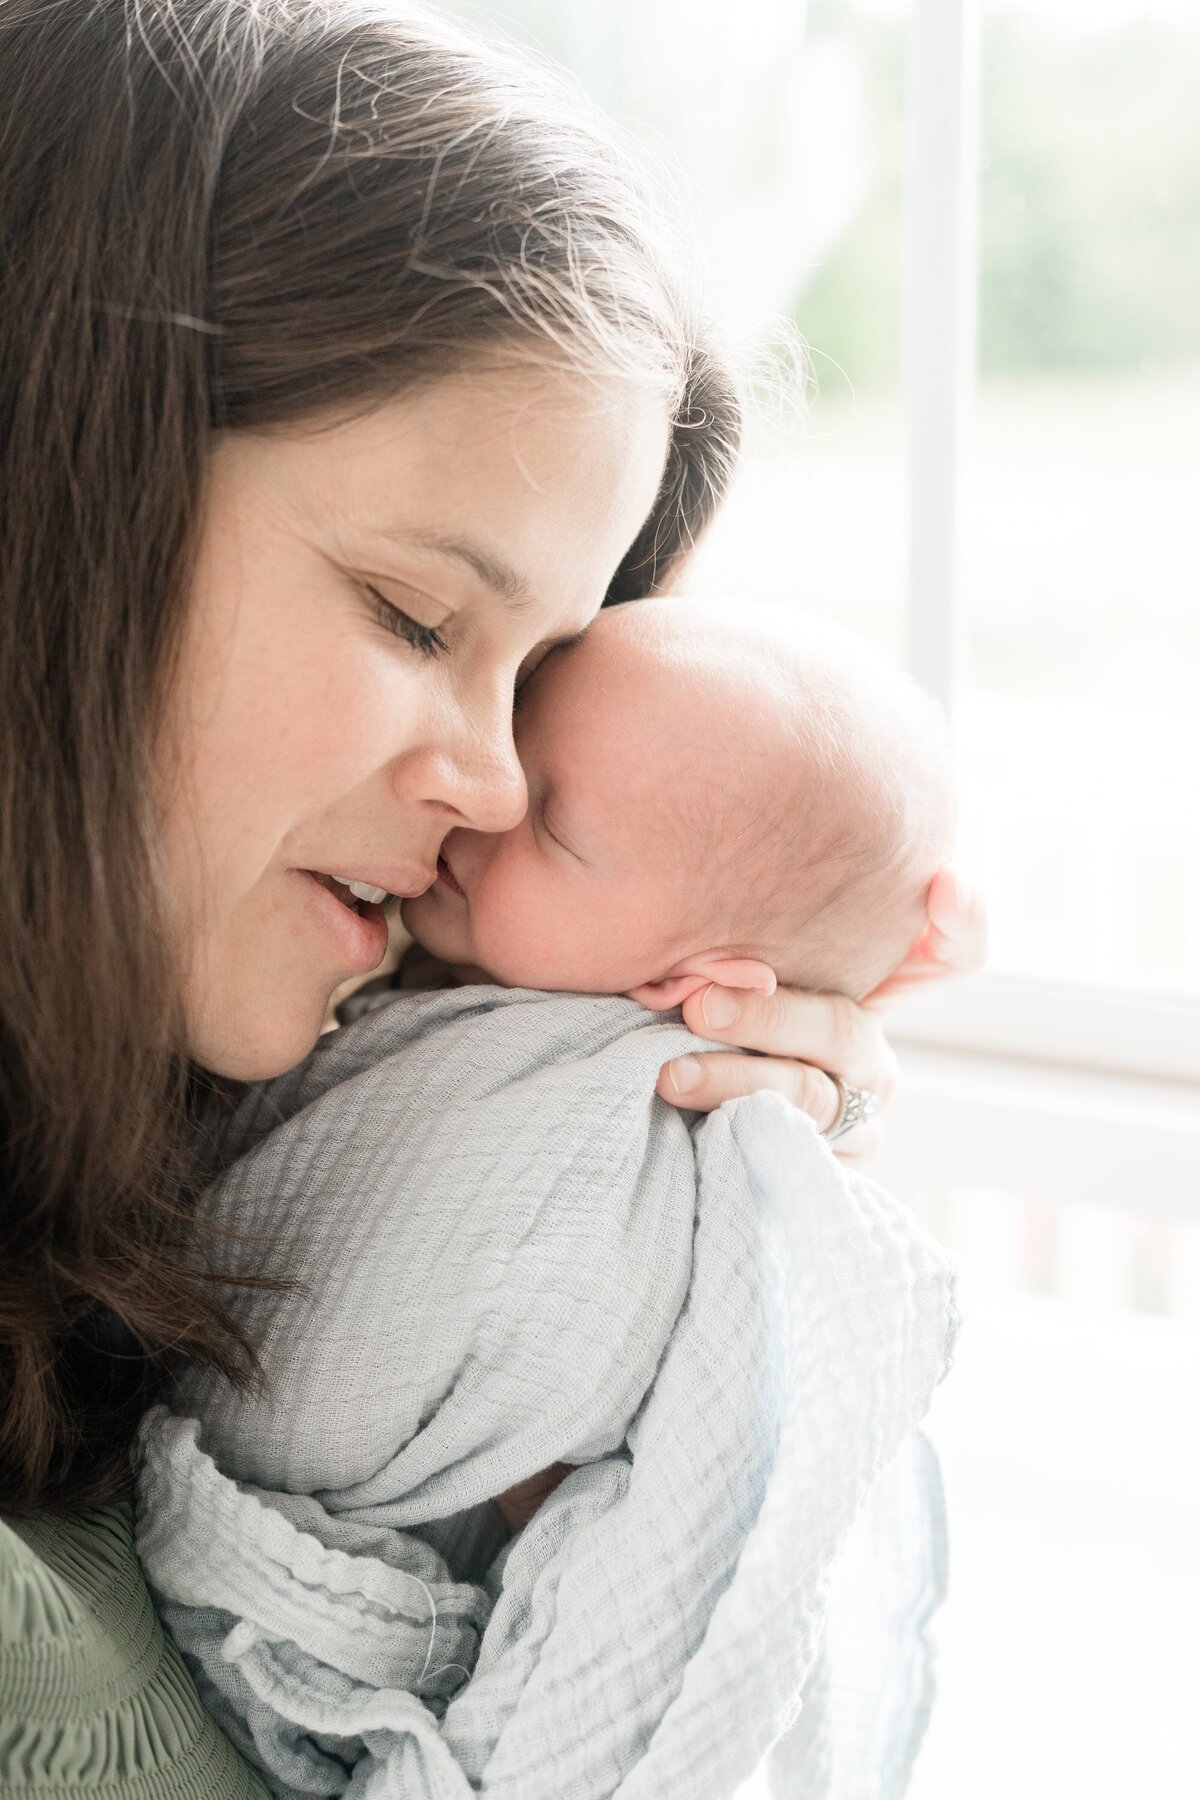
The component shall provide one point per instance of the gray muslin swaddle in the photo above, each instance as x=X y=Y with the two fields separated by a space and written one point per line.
x=511 y=1253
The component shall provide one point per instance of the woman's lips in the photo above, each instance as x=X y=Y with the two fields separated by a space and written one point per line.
x=446 y=876
x=358 y=935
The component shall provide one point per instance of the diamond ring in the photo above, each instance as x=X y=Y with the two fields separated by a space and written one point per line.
x=855 y=1106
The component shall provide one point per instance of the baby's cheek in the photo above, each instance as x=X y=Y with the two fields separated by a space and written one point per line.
x=509 y=928
x=526 y=930
x=427 y=921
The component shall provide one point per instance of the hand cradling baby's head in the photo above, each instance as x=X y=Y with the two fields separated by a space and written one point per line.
x=704 y=785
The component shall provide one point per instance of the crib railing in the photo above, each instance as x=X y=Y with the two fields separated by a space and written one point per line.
x=1077 y=1182
x=1095 y=1255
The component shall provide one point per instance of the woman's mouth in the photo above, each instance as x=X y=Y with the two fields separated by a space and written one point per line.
x=354 y=923
x=446 y=875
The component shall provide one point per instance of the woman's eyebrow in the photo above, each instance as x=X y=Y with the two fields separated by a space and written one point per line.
x=491 y=569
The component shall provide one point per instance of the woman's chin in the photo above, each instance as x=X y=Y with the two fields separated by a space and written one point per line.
x=255 y=1048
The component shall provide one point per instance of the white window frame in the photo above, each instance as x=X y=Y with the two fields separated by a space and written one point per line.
x=1092 y=1035
x=940 y=284
x=1083 y=1092
x=1068 y=1024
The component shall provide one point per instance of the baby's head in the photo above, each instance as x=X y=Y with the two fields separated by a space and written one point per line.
x=706 y=790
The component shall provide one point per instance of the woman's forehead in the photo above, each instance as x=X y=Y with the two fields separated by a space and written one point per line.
x=536 y=490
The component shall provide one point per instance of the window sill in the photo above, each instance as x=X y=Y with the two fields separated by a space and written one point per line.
x=1042 y=1130
x=1081 y=1027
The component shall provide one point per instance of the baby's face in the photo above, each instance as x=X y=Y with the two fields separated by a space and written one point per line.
x=590 y=891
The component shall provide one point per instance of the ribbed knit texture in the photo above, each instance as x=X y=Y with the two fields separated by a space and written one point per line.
x=94 y=1700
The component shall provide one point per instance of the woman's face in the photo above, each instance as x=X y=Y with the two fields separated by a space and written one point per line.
x=316 y=733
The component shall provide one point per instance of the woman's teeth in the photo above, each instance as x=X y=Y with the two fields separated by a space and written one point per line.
x=350 y=891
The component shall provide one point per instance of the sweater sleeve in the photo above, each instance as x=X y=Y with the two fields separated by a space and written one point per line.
x=93 y=1697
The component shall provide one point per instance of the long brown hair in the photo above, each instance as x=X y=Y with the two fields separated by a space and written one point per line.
x=219 y=215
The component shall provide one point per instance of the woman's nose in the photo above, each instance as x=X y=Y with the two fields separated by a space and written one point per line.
x=493 y=795
x=475 y=773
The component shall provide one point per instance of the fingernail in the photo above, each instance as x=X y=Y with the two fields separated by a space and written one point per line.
x=964 y=893
x=719 y=1007
x=685 y=1074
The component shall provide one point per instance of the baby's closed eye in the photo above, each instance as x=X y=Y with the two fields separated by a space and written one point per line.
x=555 y=835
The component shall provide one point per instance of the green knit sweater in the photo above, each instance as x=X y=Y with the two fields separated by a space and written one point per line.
x=93 y=1698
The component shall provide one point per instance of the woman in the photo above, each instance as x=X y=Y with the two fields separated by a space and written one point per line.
x=343 y=375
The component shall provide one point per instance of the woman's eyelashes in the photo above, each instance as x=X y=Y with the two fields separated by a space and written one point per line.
x=427 y=639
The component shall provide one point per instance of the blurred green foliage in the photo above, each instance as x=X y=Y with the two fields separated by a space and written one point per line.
x=1089 y=197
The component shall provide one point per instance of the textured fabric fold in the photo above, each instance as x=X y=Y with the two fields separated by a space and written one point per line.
x=512 y=1253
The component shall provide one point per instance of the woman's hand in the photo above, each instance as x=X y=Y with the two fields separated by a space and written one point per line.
x=801 y=1039
x=804 y=1039
x=954 y=941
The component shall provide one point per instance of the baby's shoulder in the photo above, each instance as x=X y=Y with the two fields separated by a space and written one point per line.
x=413 y=1069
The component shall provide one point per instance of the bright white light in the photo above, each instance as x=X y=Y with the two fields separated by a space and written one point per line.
x=1080 y=15
x=1099 y=15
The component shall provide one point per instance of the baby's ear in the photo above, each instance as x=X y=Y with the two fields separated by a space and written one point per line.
x=696 y=972
x=672 y=990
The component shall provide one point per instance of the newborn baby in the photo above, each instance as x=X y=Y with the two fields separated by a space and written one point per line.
x=721 y=798
x=493 y=1250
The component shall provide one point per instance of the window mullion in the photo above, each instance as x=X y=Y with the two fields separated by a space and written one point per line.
x=940 y=285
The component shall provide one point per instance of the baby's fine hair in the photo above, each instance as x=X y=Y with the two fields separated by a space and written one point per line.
x=850 y=844
x=833 y=806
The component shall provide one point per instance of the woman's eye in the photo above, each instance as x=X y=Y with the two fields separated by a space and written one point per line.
x=427 y=639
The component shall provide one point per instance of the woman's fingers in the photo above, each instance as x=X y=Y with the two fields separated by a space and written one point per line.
x=958 y=922
x=859 y=1145
x=702 y=1083
x=823 y=1032
x=954 y=941
x=801 y=1041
